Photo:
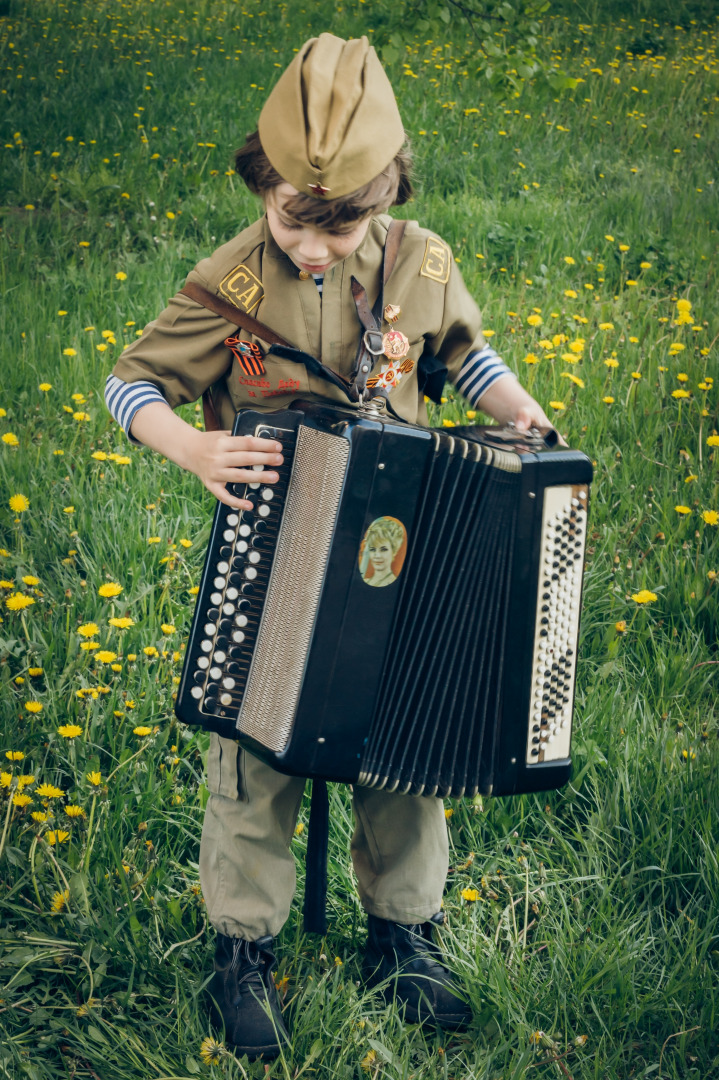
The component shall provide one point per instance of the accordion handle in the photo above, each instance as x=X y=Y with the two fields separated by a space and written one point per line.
x=535 y=438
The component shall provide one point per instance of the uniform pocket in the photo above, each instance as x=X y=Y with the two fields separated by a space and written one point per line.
x=225 y=769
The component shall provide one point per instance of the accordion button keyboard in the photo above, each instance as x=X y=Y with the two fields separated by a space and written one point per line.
x=235 y=591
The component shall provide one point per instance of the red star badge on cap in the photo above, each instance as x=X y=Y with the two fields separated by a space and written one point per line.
x=318 y=189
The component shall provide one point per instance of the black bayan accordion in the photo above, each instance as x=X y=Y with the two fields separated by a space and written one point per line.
x=400 y=610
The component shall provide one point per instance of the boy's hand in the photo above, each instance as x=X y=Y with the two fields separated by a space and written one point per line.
x=219 y=458
x=507 y=400
x=529 y=416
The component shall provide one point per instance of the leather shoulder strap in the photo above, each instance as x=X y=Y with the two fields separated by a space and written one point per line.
x=395 y=232
x=228 y=311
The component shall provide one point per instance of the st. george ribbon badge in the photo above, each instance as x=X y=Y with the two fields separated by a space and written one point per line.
x=248 y=355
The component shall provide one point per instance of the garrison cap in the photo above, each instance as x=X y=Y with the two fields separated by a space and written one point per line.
x=331 y=123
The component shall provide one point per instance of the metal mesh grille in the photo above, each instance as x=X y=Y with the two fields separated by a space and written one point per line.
x=293 y=593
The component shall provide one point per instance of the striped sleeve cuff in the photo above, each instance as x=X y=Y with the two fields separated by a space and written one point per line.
x=125 y=399
x=479 y=371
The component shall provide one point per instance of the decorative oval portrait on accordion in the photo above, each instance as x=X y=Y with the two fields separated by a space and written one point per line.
x=382 y=551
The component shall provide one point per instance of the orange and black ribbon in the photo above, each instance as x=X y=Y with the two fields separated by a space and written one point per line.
x=248 y=355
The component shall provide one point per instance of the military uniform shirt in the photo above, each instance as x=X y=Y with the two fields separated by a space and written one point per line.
x=183 y=352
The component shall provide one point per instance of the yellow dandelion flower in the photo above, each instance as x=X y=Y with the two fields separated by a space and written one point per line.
x=154 y=539
x=168 y=628
x=609 y=238
x=142 y=731
x=69 y=731
x=470 y=895
x=620 y=626
x=33 y=706
x=471 y=414
x=24 y=781
x=110 y=589
x=99 y=455
x=713 y=440
x=150 y=650
x=94 y=778
x=534 y=320
x=5 y=779
x=7 y=584
x=121 y=275
x=45 y=387
x=21 y=800
x=186 y=543
x=569 y=260
x=14 y=755
x=680 y=394
x=16 y=602
x=570 y=294
x=74 y=811
x=367 y=1062
x=710 y=517
x=210 y=1050
x=10 y=439
x=636 y=374
x=684 y=305
x=683 y=509
x=644 y=596
x=40 y=815
x=69 y=352
x=49 y=791
x=89 y=645
x=123 y=623
x=59 y=900
x=558 y=405
x=30 y=579
x=611 y=362
x=56 y=836
x=19 y=503
x=608 y=400
x=531 y=358
x=88 y=629
x=624 y=247
x=105 y=656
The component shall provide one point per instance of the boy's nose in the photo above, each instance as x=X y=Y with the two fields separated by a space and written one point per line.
x=313 y=247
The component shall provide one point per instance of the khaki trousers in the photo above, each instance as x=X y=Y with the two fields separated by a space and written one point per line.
x=399 y=848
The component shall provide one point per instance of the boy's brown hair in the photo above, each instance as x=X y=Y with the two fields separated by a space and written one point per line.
x=393 y=187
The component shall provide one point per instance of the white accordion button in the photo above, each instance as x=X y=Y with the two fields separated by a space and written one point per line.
x=245 y=530
x=196 y=692
x=203 y=662
x=233 y=519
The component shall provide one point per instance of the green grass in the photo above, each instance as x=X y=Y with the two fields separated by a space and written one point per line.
x=592 y=948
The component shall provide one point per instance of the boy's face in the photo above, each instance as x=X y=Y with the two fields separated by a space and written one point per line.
x=313 y=250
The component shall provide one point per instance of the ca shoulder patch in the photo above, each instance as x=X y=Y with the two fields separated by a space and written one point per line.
x=437 y=261
x=242 y=288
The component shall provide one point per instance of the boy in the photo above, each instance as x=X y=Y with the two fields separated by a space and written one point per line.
x=327 y=160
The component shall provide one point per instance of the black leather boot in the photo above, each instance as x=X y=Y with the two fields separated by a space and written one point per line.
x=244 y=999
x=419 y=983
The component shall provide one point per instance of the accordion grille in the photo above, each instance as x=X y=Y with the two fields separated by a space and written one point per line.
x=294 y=589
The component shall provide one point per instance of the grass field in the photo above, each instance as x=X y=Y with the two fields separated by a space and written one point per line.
x=586 y=921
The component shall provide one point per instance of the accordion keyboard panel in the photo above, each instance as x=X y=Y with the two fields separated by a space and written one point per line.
x=554 y=662
x=234 y=588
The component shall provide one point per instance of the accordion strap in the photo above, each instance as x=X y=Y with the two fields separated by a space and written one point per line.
x=315 y=906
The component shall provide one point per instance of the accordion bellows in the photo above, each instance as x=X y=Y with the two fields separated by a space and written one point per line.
x=401 y=610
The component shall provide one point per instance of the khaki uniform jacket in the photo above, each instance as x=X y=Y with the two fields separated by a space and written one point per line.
x=183 y=352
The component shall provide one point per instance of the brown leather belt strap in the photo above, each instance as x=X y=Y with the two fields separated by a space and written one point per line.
x=232 y=314
x=394 y=238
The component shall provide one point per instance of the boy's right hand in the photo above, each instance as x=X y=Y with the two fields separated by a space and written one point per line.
x=219 y=458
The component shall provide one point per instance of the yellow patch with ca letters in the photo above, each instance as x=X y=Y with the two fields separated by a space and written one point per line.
x=436 y=262
x=242 y=288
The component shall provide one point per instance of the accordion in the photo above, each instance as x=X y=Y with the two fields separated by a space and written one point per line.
x=400 y=610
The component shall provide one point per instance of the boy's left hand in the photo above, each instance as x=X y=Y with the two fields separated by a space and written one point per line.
x=529 y=416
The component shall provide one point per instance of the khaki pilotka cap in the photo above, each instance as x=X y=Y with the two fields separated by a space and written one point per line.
x=331 y=123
